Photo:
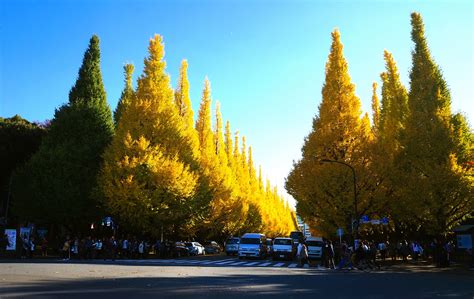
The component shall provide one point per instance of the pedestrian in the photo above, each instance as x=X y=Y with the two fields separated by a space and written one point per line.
x=324 y=254
x=383 y=250
x=141 y=249
x=302 y=254
x=125 y=248
x=44 y=247
x=99 y=246
x=113 y=248
x=66 y=249
x=404 y=250
x=392 y=250
x=32 y=247
x=25 y=246
x=346 y=254
x=4 y=243
x=330 y=255
x=88 y=245
x=75 y=248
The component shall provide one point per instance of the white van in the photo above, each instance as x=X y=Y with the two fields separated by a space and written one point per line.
x=315 y=247
x=253 y=245
x=283 y=248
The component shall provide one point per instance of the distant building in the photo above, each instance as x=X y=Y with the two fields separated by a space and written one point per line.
x=302 y=226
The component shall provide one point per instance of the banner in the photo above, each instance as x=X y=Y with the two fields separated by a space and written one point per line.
x=11 y=234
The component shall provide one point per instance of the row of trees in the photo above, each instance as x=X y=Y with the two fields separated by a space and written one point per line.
x=413 y=164
x=150 y=166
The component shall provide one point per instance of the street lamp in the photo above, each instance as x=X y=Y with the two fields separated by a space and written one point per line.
x=356 y=229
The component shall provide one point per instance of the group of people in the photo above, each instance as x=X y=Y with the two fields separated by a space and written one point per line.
x=103 y=248
x=367 y=253
x=29 y=246
x=112 y=248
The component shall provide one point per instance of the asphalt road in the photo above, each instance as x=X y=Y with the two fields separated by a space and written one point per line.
x=220 y=277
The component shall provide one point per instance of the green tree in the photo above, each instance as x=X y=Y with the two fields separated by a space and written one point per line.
x=19 y=140
x=57 y=185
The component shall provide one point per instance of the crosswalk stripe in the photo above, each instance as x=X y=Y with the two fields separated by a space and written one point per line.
x=195 y=262
x=181 y=261
x=226 y=262
x=264 y=264
x=251 y=264
x=238 y=263
x=278 y=265
x=213 y=262
x=292 y=265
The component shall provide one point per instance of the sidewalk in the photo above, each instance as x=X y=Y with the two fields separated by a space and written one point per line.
x=423 y=266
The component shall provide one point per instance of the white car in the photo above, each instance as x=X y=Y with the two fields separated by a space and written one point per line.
x=195 y=248
x=315 y=247
x=283 y=248
x=253 y=245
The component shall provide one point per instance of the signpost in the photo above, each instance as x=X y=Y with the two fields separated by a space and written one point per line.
x=339 y=233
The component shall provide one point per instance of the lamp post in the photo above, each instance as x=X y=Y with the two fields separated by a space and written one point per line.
x=355 y=229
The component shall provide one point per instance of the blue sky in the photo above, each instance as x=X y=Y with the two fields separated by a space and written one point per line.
x=265 y=59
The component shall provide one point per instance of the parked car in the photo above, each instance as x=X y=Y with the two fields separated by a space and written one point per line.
x=269 y=247
x=232 y=246
x=212 y=247
x=253 y=245
x=283 y=248
x=315 y=247
x=297 y=236
x=179 y=249
x=195 y=248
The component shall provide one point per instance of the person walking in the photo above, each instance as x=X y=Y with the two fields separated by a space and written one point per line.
x=330 y=255
x=302 y=254
x=44 y=247
x=66 y=250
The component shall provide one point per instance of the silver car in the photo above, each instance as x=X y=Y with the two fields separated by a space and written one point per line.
x=232 y=246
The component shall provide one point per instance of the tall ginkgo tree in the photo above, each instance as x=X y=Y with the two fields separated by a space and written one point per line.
x=148 y=179
x=436 y=189
x=324 y=190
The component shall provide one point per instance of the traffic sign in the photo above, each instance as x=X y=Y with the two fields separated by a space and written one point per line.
x=340 y=232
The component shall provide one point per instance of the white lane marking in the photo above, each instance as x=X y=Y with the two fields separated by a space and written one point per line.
x=292 y=265
x=264 y=264
x=195 y=262
x=238 y=263
x=216 y=261
x=182 y=261
x=251 y=264
x=226 y=262
x=278 y=265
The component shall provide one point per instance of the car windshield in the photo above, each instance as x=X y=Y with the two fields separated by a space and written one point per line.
x=314 y=243
x=250 y=241
x=269 y=242
x=233 y=241
x=296 y=235
x=189 y=244
x=282 y=242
